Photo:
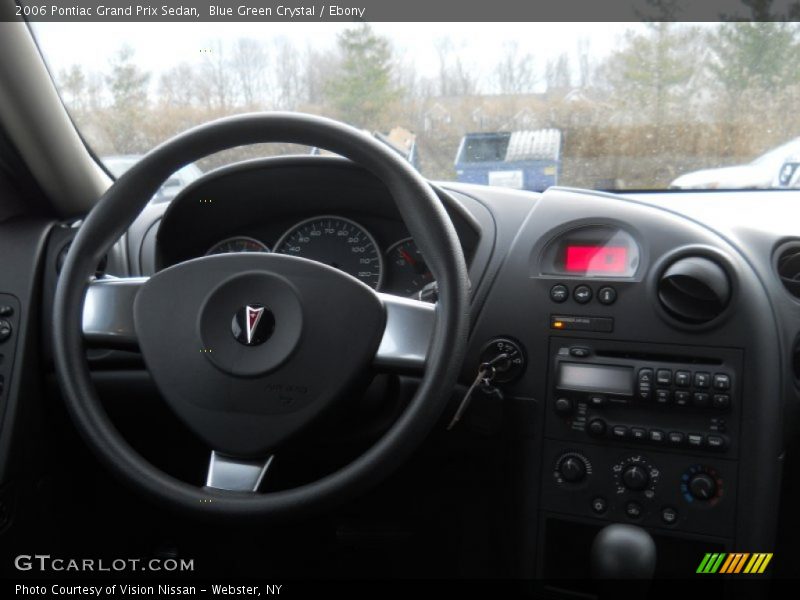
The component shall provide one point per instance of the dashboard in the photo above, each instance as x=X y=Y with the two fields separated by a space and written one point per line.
x=656 y=375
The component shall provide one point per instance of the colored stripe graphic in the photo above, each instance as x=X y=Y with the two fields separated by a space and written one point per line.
x=728 y=563
x=703 y=563
x=767 y=558
x=714 y=562
x=734 y=563
x=740 y=563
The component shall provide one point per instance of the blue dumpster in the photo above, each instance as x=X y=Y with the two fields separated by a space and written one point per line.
x=523 y=160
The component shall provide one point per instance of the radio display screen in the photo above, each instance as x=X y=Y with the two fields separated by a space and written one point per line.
x=596 y=378
x=596 y=259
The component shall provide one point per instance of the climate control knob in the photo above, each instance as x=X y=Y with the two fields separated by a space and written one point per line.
x=636 y=474
x=635 y=478
x=572 y=467
x=702 y=486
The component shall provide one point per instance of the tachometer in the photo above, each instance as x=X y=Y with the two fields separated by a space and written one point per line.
x=237 y=244
x=338 y=242
x=406 y=271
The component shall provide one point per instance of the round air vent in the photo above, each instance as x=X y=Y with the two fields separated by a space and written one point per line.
x=789 y=268
x=694 y=290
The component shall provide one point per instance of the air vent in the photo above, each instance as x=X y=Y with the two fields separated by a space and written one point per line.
x=694 y=290
x=789 y=268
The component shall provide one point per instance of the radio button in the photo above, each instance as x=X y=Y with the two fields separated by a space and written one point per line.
x=722 y=382
x=645 y=387
x=721 y=401
x=676 y=438
x=559 y=293
x=695 y=439
x=657 y=436
x=638 y=433
x=597 y=401
x=702 y=379
x=663 y=396
x=701 y=399
x=715 y=442
x=596 y=427
x=619 y=432
x=683 y=378
x=682 y=398
x=579 y=352
x=663 y=377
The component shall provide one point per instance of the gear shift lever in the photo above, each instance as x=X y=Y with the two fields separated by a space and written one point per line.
x=623 y=552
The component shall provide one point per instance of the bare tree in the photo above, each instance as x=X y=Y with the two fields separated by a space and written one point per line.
x=317 y=68
x=177 y=86
x=249 y=64
x=558 y=73
x=454 y=78
x=129 y=86
x=515 y=72
x=288 y=74
x=214 y=85
x=584 y=59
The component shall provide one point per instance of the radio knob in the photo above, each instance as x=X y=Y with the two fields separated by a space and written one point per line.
x=702 y=486
x=596 y=427
x=572 y=469
x=563 y=406
x=635 y=478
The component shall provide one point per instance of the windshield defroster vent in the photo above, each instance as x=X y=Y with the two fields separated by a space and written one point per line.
x=789 y=268
x=694 y=290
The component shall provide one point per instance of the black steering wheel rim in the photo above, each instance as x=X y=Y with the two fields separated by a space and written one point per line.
x=427 y=222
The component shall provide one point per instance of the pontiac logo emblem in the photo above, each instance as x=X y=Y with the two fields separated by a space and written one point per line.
x=252 y=324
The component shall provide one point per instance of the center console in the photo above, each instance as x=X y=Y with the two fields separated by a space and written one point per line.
x=642 y=434
x=649 y=400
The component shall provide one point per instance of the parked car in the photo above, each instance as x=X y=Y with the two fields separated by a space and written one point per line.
x=789 y=175
x=177 y=181
x=761 y=173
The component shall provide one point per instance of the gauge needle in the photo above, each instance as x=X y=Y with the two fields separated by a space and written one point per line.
x=408 y=258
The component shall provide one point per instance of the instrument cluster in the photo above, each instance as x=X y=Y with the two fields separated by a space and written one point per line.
x=344 y=244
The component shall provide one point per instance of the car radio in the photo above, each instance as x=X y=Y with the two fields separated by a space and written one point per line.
x=642 y=433
x=681 y=398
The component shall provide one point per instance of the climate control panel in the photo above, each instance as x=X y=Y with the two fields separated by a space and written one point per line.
x=652 y=489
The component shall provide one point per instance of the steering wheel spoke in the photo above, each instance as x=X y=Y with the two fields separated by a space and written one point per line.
x=108 y=312
x=407 y=336
x=236 y=474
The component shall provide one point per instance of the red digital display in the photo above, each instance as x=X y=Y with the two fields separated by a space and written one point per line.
x=596 y=259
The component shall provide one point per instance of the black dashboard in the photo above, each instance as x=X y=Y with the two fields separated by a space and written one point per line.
x=658 y=371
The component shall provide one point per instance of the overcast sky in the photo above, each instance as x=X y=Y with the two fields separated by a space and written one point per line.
x=160 y=46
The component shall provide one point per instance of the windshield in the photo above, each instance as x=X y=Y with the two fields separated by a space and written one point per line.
x=525 y=105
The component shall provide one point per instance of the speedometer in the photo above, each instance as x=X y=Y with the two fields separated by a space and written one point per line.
x=237 y=244
x=338 y=242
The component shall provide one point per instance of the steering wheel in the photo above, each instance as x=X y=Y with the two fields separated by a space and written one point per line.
x=249 y=349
